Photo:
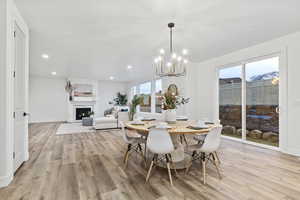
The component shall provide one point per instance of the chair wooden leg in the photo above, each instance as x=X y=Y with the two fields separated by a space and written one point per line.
x=169 y=169
x=150 y=168
x=190 y=163
x=204 y=168
x=142 y=154
x=216 y=165
x=169 y=172
x=126 y=160
x=127 y=155
x=216 y=155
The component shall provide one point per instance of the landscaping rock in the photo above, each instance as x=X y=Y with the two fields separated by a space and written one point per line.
x=255 y=134
x=229 y=130
x=239 y=132
x=267 y=135
x=271 y=137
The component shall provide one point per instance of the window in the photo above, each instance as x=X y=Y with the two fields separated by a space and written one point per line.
x=145 y=91
x=254 y=88
x=151 y=92
x=133 y=91
x=158 y=94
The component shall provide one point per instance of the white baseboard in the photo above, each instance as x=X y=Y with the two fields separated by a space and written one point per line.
x=37 y=122
x=292 y=151
x=5 y=181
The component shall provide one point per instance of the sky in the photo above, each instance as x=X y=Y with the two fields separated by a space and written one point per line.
x=252 y=69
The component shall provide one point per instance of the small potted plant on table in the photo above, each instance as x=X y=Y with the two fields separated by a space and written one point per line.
x=170 y=102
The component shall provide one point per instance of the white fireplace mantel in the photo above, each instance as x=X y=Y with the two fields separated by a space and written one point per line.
x=82 y=102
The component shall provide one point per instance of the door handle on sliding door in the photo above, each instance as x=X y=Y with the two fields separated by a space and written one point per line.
x=25 y=114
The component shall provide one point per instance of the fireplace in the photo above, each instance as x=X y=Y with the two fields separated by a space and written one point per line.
x=77 y=109
x=81 y=112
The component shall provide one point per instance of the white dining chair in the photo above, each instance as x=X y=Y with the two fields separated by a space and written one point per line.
x=160 y=143
x=201 y=137
x=205 y=151
x=133 y=144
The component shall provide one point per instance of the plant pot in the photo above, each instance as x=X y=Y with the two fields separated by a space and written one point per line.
x=87 y=121
x=170 y=116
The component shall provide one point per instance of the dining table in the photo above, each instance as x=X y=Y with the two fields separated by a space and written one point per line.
x=178 y=131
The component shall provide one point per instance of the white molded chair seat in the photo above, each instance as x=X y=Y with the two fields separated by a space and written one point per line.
x=159 y=142
x=133 y=144
x=207 y=149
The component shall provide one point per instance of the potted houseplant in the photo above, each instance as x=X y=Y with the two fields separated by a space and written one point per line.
x=136 y=100
x=121 y=99
x=87 y=118
x=170 y=102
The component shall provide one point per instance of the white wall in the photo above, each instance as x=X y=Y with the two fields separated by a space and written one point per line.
x=289 y=49
x=47 y=99
x=107 y=91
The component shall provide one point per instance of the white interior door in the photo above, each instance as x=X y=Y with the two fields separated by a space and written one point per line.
x=19 y=98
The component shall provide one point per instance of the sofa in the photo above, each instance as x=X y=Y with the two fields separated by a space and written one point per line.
x=111 y=121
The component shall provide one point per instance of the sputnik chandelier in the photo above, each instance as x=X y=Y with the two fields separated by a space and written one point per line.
x=171 y=64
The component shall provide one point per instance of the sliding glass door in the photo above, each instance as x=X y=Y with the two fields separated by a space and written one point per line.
x=262 y=101
x=230 y=101
x=249 y=101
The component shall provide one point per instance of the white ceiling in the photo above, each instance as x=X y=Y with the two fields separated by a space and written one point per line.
x=97 y=39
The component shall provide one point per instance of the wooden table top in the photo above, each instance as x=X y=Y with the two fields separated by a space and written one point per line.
x=181 y=127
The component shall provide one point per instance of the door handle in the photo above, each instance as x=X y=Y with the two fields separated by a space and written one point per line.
x=25 y=114
x=277 y=110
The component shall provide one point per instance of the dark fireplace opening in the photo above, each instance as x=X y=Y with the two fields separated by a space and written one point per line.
x=81 y=112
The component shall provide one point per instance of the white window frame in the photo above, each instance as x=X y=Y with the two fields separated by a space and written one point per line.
x=153 y=92
x=282 y=98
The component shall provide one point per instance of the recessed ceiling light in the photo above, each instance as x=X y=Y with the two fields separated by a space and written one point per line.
x=112 y=78
x=45 y=56
x=53 y=73
x=129 y=67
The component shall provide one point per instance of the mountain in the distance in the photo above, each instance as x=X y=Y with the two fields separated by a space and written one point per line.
x=266 y=76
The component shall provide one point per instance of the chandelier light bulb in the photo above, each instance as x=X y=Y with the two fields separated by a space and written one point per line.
x=174 y=55
x=185 y=61
x=162 y=51
x=169 y=64
x=184 y=51
x=156 y=60
x=179 y=58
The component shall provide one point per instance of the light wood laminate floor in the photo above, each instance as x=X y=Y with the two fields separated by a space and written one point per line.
x=89 y=166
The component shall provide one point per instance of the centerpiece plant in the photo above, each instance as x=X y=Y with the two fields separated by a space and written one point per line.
x=170 y=102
